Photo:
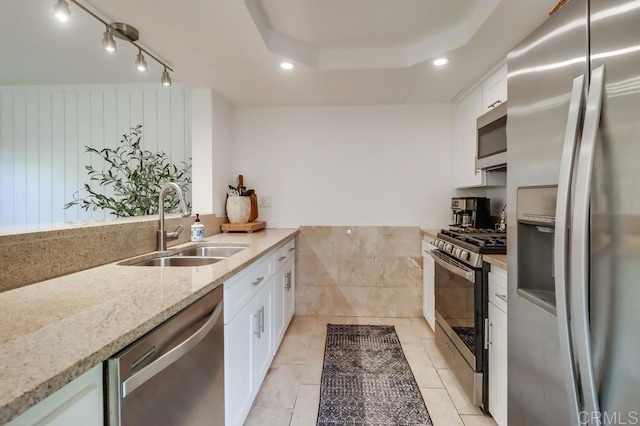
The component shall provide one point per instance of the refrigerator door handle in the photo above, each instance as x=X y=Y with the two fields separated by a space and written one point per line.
x=561 y=243
x=580 y=243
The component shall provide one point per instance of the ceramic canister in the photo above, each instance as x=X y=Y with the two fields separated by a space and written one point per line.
x=238 y=209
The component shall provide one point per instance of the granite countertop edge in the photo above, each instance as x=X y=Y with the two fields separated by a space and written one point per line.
x=43 y=347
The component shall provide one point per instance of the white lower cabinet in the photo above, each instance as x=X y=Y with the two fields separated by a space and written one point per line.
x=289 y=292
x=258 y=308
x=428 y=283
x=238 y=349
x=284 y=299
x=78 y=403
x=247 y=353
x=497 y=348
x=262 y=353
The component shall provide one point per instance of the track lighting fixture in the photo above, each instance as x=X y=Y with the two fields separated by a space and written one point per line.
x=108 y=43
x=119 y=30
x=166 y=79
x=141 y=63
x=61 y=11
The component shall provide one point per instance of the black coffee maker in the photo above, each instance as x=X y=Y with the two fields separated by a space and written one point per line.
x=470 y=212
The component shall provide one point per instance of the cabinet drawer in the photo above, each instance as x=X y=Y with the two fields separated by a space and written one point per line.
x=498 y=288
x=283 y=254
x=240 y=288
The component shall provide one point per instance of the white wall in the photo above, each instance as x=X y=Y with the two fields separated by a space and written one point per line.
x=223 y=172
x=212 y=151
x=348 y=165
x=43 y=132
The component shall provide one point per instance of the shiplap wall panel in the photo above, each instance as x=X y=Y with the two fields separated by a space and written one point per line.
x=97 y=140
x=84 y=138
x=20 y=158
x=177 y=134
x=111 y=135
x=45 y=199
x=6 y=121
x=32 y=171
x=150 y=113
x=44 y=131
x=72 y=149
x=164 y=122
x=57 y=157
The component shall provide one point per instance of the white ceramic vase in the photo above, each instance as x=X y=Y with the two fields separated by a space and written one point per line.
x=238 y=209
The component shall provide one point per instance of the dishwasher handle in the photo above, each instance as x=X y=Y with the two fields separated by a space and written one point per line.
x=148 y=372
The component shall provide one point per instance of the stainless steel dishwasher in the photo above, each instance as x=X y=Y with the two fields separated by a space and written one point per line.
x=174 y=375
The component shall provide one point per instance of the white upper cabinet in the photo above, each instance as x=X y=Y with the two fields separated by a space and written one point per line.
x=466 y=113
x=494 y=89
x=488 y=94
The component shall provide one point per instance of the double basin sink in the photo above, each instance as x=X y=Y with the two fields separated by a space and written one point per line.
x=193 y=256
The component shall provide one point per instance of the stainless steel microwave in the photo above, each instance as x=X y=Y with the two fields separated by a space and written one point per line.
x=491 y=148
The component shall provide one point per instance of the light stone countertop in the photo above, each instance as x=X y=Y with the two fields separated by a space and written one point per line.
x=429 y=232
x=53 y=331
x=499 y=260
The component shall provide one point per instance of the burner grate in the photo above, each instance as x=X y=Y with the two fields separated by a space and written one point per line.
x=479 y=240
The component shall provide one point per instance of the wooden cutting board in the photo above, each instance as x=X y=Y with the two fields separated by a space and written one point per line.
x=248 y=227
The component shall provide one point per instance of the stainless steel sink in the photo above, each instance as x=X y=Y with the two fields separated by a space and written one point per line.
x=192 y=256
x=178 y=261
x=215 y=252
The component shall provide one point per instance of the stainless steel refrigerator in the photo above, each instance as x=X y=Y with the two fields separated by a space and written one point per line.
x=574 y=195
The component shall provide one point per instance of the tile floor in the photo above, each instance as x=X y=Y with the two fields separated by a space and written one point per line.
x=291 y=391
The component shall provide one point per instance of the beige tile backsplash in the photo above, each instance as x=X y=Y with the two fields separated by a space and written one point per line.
x=32 y=257
x=359 y=271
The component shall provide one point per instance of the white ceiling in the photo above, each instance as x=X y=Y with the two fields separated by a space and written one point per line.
x=333 y=24
x=378 y=51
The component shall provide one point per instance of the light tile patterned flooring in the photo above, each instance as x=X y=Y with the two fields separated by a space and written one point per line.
x=290 y=393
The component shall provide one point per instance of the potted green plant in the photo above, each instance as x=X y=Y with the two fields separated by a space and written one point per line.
x=134 y=178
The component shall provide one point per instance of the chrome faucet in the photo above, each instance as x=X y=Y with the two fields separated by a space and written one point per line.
x=164 y=236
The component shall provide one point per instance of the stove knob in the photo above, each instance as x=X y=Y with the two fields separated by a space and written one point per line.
x=449 y=248
x=456 y=252
x=464 y=255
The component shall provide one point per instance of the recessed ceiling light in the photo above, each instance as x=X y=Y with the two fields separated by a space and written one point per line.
x=440 y=62
x=286 y=66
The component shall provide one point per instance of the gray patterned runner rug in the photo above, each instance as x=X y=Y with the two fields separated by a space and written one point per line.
x=366 y=379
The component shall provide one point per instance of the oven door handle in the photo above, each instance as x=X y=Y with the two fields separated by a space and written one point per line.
x=453 y=266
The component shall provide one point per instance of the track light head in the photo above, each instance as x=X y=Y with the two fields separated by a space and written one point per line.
x=141 y=63
x=120 y=30
x=166 y=79
x=61 y=11
x=108 y=43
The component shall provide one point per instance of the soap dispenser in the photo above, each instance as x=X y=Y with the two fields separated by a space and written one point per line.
x=197 y=230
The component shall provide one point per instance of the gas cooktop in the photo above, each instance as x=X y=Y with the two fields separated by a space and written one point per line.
x=469 y=245
x=484 y=241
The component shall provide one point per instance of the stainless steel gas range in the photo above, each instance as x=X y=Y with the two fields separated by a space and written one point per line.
x=461 y=304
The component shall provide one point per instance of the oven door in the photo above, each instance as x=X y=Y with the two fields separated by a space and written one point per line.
x=459 y=306
x=460 y=297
